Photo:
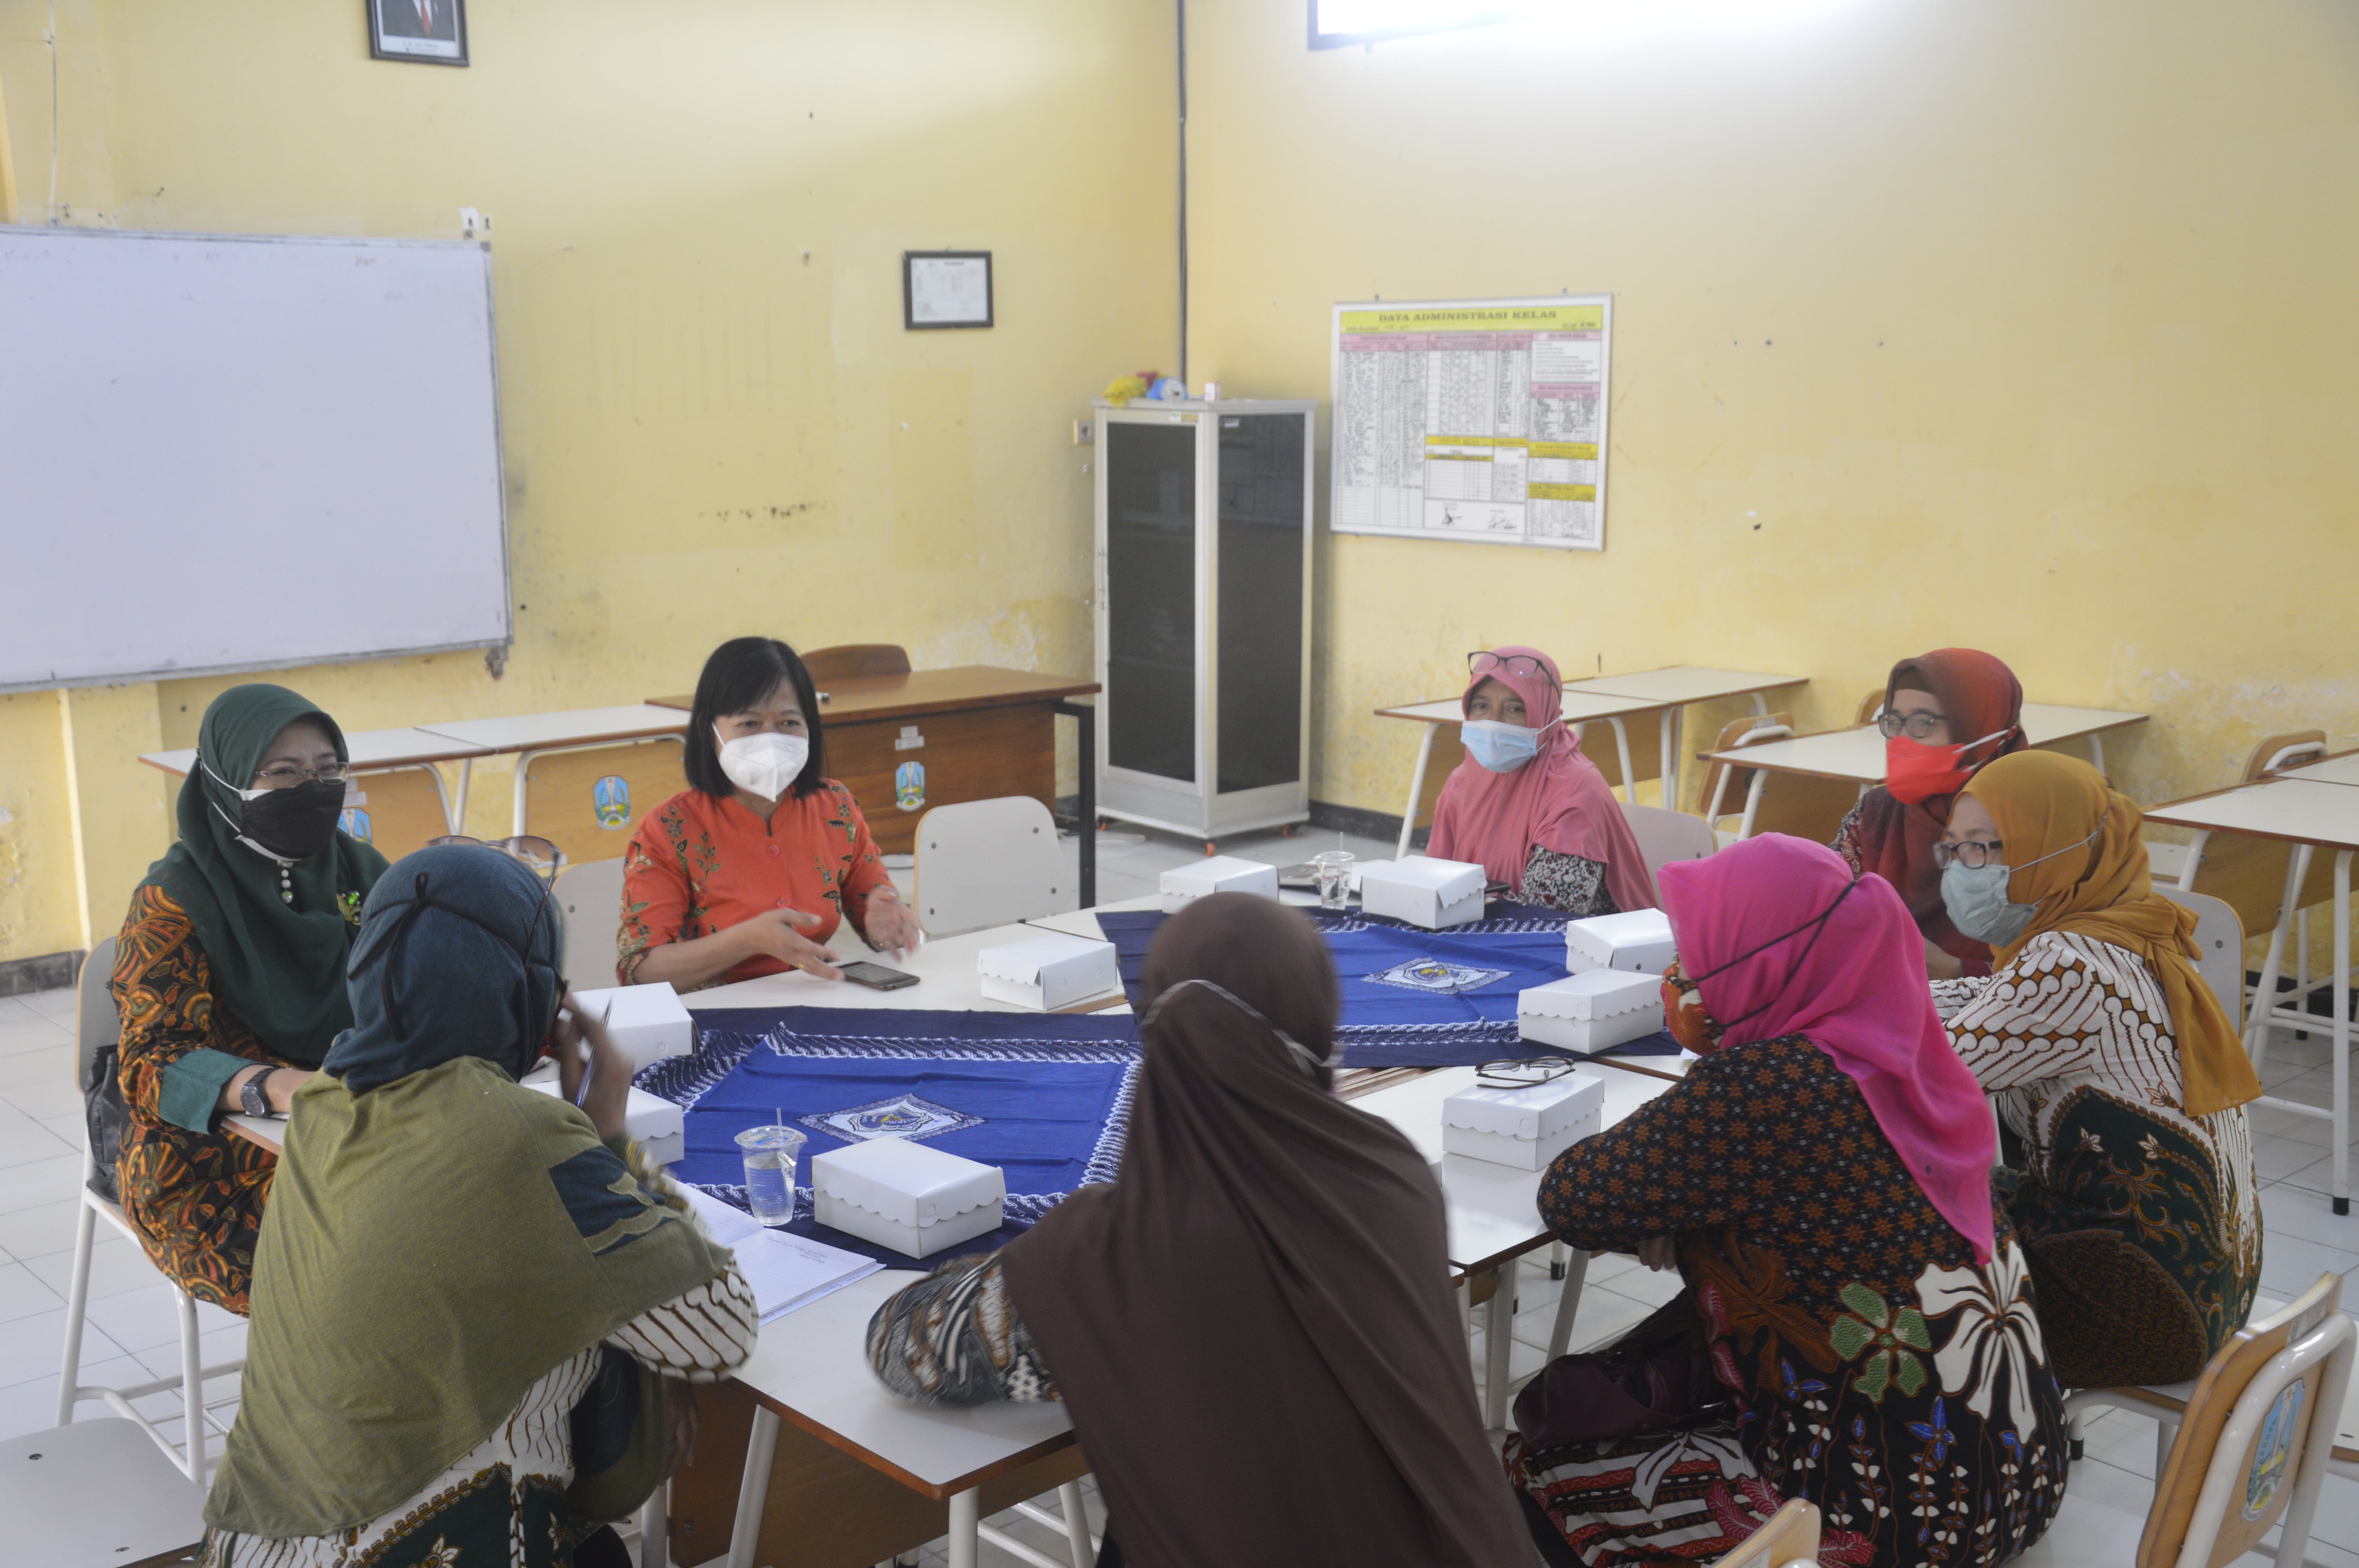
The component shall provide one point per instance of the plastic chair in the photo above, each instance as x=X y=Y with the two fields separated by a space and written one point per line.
x=2254 y=1434
x=1666 y=836
x=1869 y=706
x=95 y=1492
x=988 y=863
x=97 y=1026
x=591 y=898
x=1791 y=1537
x=403 y=808
x=1739 y=732
x=2220 y=942
x=848 y=660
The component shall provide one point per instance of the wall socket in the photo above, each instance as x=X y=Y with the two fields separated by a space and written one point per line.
x=1084 y=432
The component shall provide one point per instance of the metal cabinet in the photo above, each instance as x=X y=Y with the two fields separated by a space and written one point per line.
x=1203 y=614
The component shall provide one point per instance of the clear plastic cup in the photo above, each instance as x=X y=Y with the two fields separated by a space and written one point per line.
x=1334 y=867
x=769 y=1153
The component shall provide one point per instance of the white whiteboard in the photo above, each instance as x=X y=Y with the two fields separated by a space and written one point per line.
x=227 y=452
x=1479 y=419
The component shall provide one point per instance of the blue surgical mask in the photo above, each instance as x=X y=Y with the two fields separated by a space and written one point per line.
x=1976 y=897
x=1502 y=747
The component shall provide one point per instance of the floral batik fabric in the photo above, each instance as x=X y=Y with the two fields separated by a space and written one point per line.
x=701 y=863
x=2142 y=1223
x=1873 y=1366
x=192 y=1194
x=954 y=1339
x=502 y=1504
x=1573 y=883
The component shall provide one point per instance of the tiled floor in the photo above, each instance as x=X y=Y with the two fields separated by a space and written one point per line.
x=133 y=1332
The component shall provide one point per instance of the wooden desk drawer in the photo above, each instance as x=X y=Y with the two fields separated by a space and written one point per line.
x=980 y=754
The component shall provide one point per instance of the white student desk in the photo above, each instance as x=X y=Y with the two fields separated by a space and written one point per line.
x=2312 y=808
x=1678 y=686
x=1580 y=708
x=1857 y=756
x=370 y=750
x=549 y=731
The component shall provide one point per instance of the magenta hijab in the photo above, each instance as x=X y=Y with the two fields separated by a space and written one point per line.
x=1857 y=992
x=1558 y=801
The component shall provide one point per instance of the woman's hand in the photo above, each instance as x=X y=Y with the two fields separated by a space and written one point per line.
x=609 y=1094
x=1940 y=964
x=892 y=925
x=778 y=934
x=1660 y=1253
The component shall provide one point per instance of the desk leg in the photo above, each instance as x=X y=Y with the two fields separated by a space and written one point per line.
x=2342 y=1031
x=966 y=1527
x=753 y=1491
x=2097 y=761
x=459 y=800
x=1568 y=1304
x=1622 y=746
x=1752 y=802
x=1086 y=718
x=1498 y=1342
x=1416 y=789
x=655 y=1531
x=1667 y=729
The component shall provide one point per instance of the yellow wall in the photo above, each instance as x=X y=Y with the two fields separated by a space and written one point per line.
x=1995 y=322
x=715 y=422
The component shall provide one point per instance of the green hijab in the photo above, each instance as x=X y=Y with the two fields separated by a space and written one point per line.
x=279 y=967
x=438 y=1237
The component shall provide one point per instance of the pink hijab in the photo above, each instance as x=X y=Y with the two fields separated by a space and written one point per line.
x=1856 y=991
x=1558 y=800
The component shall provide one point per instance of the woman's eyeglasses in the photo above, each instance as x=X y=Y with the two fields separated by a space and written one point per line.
x=1522 y=1075
x=544 y=859
x=286 y=776
x=1972 y=853
x=1917 y=726
x=1523 y=666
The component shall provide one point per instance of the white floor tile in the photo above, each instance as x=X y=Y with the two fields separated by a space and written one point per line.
x=22 y=1293
x=23 y=1031
x=2291 y=1264
x=52 y=1098
x=2289 y=1210
x=213 y=1350
x=29 y=1233
x=57 y=1004
x=2269 y=1121
x=34 y=1347
x=52 y=1064
x=116 y=1265
x=2282 y=1159
x=24 y=1141
x=138 y=1320
x=40 y=1182
x=33 y=1406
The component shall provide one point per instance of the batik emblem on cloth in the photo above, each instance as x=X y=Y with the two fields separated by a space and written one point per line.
x=903 y=1116
x=1437 y=975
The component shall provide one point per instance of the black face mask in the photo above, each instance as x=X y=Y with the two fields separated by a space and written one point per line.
x=296 y=823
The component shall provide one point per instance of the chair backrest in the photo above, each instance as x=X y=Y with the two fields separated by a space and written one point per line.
x=1869 y=706
x=2254 y=1441
x=2220 y=947
x=2275 y=751
x=1791 y=1536
x=404 y=808
x=587 y=800
x=2249 y=875
x=97 y=1024
x=989 y=862
x=847 y=659
x=1666 y=836
x=1719 y=780
x=591 y=895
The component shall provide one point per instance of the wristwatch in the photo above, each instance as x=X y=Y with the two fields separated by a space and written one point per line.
x=250 y=1097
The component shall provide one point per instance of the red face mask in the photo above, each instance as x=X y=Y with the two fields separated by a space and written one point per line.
x=1915 y=773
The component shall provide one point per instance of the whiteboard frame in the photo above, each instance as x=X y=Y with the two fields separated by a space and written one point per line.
x=499 y=446
x=1604 y=415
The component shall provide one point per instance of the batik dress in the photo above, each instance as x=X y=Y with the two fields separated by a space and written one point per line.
x=1873 y=1366
x=1573 y=883
x=2142 y=1224
x=193 y=1194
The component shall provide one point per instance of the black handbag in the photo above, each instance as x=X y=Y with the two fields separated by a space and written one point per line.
x=621 y=1439
x=1657 y=1377
x=107 y=1116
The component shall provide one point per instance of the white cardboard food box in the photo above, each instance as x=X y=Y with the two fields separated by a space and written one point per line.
x=646 y=1022
x=904 y=1196
x=1523 y=1128
x=1048 y=971
x=1423 y=891
x=1220 y=873
x=1591 y=1010
x=655 y=1124
x=1639 y=942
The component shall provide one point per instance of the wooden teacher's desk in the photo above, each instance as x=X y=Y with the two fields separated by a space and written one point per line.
x=939 y=737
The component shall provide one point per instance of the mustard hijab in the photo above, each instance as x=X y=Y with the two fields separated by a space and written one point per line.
x=2044 y=803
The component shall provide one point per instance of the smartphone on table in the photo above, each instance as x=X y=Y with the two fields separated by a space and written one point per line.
x=876 y=977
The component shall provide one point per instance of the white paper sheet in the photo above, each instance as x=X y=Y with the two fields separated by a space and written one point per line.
x=784 y=1272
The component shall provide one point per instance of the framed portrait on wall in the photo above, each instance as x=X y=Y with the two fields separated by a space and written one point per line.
x=430 y=32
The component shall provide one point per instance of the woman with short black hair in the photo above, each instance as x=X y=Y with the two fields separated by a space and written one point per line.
x=749 y=871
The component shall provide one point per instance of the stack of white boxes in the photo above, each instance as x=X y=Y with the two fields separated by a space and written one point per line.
x=1593 y=1011
x=916 y=1200
x=1048 y=971
x=1435 y=894
x=1523 y=1128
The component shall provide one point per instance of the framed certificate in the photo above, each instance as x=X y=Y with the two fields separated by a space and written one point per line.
x=433 y=32
x=945 y=289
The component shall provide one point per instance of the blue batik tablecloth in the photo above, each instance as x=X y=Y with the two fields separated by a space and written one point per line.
x=1414 y=998
x=1046 y=1098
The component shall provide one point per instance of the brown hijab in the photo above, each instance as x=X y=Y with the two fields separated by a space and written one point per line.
x=1980 y=696
x=1254 y=1326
